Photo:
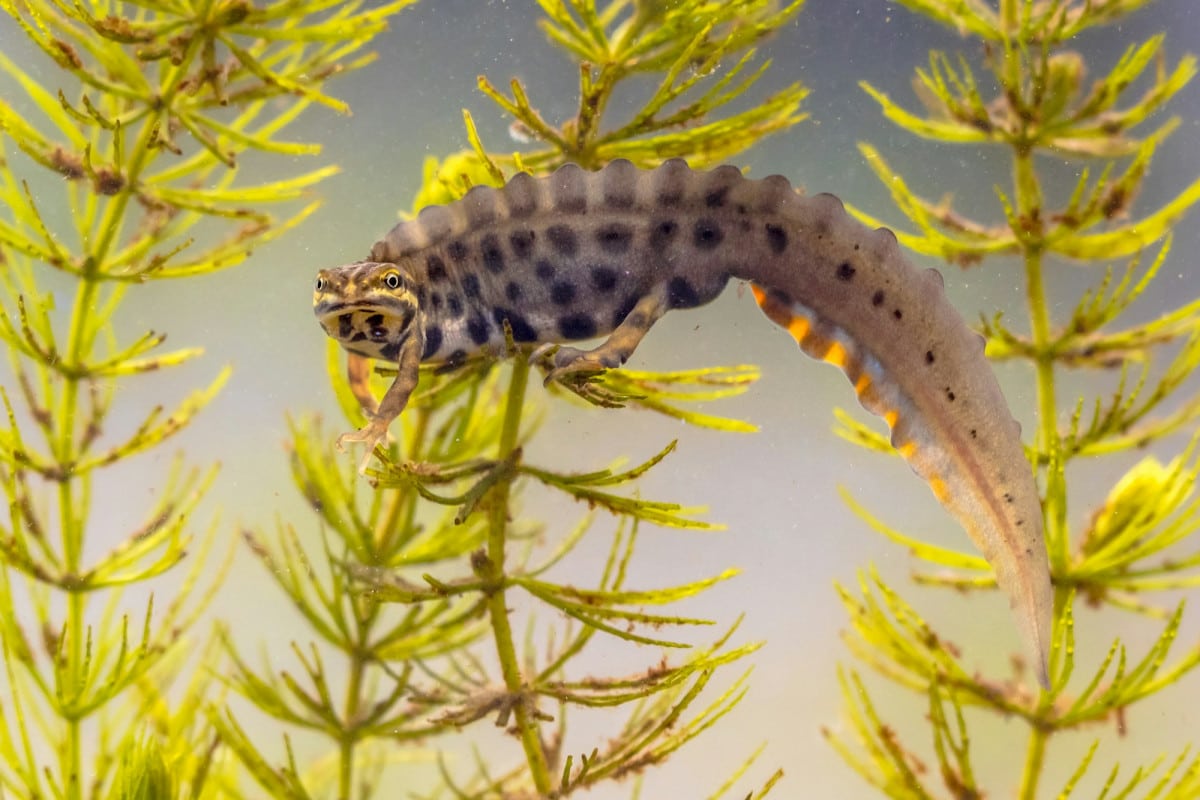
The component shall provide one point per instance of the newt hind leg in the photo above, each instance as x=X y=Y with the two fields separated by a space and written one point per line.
x=617 y=348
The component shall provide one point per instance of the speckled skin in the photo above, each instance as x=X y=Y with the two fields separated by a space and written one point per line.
x=577 y=255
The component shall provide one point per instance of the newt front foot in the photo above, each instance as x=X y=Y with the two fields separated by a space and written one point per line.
x=373 y=433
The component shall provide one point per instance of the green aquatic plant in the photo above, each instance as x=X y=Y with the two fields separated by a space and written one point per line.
x=1141 y=541
x=118 y=169
x=424 y=577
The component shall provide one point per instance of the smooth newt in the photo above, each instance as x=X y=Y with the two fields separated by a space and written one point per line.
x=577 y=255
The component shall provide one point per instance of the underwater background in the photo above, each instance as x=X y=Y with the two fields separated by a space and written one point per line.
x=776 y=490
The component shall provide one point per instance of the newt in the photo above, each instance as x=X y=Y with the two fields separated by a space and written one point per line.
x=578 y=255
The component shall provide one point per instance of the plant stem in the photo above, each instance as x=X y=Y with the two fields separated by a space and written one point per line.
x=349 y=737
x=506 y=649
x=75 y=490
x=1028 y=199
x=1035 y=757
x=397 y=519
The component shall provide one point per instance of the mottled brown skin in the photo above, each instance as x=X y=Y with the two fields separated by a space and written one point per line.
x=578 y=255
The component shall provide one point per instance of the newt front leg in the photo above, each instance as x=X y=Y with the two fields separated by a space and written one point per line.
x=394 y=400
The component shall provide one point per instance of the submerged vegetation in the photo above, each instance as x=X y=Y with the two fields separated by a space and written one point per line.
x=1141 y=542
x=431 y=589
x=435 y=589
x=106 y=174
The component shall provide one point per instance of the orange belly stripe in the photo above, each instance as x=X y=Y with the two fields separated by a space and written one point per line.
x=837 y=355
x=940 y=490
x=799 y=328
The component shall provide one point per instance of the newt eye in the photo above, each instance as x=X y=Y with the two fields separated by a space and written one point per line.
x=319 y=285
x=392 y=280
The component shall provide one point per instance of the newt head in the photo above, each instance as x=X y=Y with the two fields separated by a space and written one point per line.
x=368 y=307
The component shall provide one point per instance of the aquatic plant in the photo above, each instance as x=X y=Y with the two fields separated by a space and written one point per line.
x=1140 y=542
x=109 y=167
x=424 y=576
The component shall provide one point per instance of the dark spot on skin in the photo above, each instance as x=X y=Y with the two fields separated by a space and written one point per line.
x=855 y=247
x=435 y=300
x=435 y=268
x=779 y=298
x=433 y=341
x=522 y=331
x=949 y=394
x=877 y=298
x=522 y=194
x=716 y=198
x=974 y=433
x=662 y=234
x=390 y=351
x=358 y=336
x=577 y=326
x=375 y=320
x=1008 y=498
x=681 y=294
x=493 y=253
x=777 y=238
x=478 y=330
x=512 y=291
x=845 y=272
x=742 y=209
x=615 y=238
x=670 y=198
x=544 y=270
x=707 y=234
x=410 y=312
x=522 y=243
x=345 y=326
x=1020 y=522
x=455 y=306
x=470 y=284
x=604 y=279
x=929 y=359
x=898 y=314
x=619 y=197
x=625 y=309
x=562 y=239
x=457 y=251
x=563 y=293
x=575 y=204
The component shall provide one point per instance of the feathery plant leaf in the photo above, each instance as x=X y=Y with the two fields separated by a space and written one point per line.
x=117 y=167
x=432 y=556
x=1139 y=540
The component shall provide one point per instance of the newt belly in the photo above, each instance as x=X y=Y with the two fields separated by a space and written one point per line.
x=577 y=255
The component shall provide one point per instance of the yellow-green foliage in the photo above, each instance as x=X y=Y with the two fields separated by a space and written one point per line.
x=1131 y=546
x=408 y=596
x=412 y=597
x=139 y=133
